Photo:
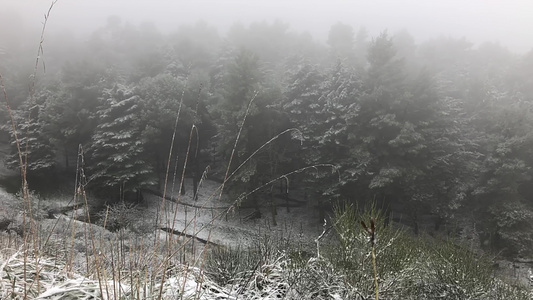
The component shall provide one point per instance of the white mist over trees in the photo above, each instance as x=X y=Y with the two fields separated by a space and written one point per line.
x=440 y=126
x=506 y=22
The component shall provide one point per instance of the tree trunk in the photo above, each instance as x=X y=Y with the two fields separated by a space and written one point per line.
x=438 y=222
x=182 y=185
x=284 y=192
x=195 y=178
x=140 y=197
x=415 y=221
x=160 y=171
x=321 y=211
x=195 y=186
x=66 y=158
x=273 y=208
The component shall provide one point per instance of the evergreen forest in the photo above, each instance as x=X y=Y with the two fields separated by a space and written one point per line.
x=440 y=128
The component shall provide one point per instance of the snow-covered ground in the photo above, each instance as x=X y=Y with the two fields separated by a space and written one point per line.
x=211 y=218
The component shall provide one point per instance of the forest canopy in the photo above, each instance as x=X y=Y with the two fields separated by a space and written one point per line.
x=440 y=127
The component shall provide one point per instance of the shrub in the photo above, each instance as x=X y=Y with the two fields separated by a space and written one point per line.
x=393 y=248
x=225 y=264
x=122 y=215
x=409 y=267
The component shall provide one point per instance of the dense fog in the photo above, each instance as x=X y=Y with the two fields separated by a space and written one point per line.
x=505 y=22
x=254 y=149
x=424 y=106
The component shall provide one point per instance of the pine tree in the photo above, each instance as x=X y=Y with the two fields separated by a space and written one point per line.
x=321 y=106
x=38 y=153
x=116 y=156
x=341 y=40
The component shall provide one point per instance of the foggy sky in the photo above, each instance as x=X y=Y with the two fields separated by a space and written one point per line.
x=508 y=22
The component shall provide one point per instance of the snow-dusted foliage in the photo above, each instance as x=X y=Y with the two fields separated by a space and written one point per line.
x=116 y=156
